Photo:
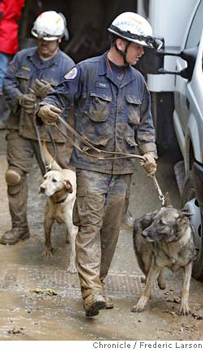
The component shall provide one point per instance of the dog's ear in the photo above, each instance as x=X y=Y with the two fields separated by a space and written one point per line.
x=186 y=213
x=183 y=217
x=68 y=186
x=167 y=201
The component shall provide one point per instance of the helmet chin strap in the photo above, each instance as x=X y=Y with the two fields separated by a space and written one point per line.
x=123 y=53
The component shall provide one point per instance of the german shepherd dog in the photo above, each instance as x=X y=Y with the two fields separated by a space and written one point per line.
x=164 y=238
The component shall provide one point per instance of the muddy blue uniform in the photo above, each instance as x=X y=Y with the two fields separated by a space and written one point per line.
x=22 y=72
x=112 y=111
x=22 y=143
x=113 y=115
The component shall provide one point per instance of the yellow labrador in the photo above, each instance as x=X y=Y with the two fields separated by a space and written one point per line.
x=59 y=186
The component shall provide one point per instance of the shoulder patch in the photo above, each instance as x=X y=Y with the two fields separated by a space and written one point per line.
x=71 y=74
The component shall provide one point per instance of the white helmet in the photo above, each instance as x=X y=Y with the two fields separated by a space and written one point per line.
x=135 y=28
x=49 y=26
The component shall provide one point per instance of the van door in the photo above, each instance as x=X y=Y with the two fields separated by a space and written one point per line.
x=182 y=103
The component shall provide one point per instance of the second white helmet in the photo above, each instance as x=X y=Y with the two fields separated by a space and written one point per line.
x=49 y=26
x=133 y=27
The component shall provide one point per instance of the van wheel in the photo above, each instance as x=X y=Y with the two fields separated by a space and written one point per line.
x=190 y=203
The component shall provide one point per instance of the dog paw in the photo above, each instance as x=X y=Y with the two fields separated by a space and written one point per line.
x=137 y=308
x=184 y=310
x=71 y=269
x=49 y=252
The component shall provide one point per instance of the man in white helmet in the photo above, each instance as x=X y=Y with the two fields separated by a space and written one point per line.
x=32 y=74
x=112 y=112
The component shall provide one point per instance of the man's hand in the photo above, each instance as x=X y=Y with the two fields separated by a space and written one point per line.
x=27 y=102
x=49 y=114
x=41 y=88
x=149 y=163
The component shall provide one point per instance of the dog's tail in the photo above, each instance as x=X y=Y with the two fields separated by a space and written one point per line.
x=50 y=162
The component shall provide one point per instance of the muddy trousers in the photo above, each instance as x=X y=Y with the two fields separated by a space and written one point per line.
x=98 y=211
x=20 y=154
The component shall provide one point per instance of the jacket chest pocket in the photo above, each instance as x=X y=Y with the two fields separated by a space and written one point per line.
x=133 y=105
x=23 y=81
x=99 y=106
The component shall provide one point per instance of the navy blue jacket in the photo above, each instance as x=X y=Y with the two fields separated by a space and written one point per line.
x=111 y=117
x=22 y=72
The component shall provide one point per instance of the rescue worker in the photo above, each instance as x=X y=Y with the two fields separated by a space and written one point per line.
x=112 y=112
x=10 y=13
x=31 y=75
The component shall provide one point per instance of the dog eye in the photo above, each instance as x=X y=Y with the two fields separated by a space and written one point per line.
x=54 y=180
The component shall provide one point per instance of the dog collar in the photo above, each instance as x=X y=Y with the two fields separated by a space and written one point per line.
x=61 y=200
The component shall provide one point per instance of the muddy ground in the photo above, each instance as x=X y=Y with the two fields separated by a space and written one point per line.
x=41 y=301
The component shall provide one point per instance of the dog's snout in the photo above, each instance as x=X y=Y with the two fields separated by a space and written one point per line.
x=41 y=189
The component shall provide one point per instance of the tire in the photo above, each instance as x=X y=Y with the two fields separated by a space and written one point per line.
x=188 y=191
x=187 y=195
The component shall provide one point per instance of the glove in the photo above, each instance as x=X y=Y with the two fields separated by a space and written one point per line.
x=41 y=88
x=27 y=102
x=49 y=114
x=149 y=163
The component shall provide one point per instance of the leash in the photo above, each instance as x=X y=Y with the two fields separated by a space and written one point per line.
x=100 y=153
x=45 y=166
x=40 y=148
x=89 y=146
x=160 y=193
x=37 y=130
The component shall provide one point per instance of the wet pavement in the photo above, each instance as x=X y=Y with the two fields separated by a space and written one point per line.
x=41 y=301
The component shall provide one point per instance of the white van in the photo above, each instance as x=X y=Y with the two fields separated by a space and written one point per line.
x=188 y=123
x=177 y=99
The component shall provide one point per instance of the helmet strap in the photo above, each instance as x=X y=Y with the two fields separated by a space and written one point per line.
x=123 y=53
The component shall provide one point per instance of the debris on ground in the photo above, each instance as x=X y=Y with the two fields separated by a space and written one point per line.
x=16 y=331
x=48 y=291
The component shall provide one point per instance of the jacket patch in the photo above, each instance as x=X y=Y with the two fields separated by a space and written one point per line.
x=101 y=84
x=71 y=74
x=26 y=68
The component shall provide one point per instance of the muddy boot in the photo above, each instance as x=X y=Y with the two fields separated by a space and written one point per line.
x=14 y=235
x=93 y=303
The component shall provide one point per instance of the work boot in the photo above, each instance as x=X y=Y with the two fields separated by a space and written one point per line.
x=14 y=235
x=93 y=303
